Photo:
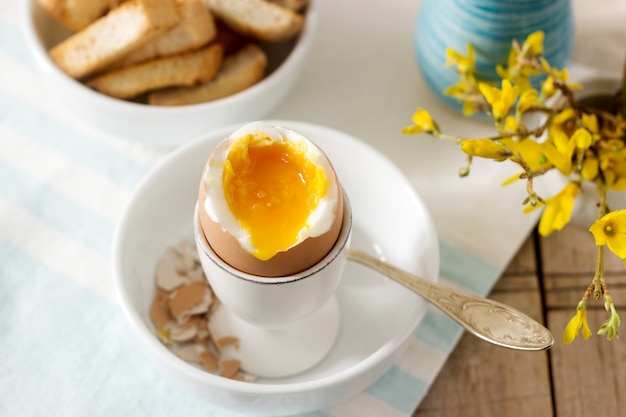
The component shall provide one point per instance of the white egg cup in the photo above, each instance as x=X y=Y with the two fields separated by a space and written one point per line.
x=285 y=325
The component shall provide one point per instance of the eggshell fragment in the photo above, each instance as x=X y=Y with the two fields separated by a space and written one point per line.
x=225 y=341
x=187 y=260
x=204 y=304
x=186 y=298
x=188 y=333
x=230 y=367
x=203 y=331
x=183 y=333
x=209 y=361
x=168 y=277
x=196 y=274
x=191 y=353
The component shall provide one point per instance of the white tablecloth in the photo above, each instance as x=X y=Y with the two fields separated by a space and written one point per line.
x=65 y=347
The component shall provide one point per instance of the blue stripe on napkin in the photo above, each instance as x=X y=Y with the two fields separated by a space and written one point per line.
x=439 y=330
x=67 y=352
x=50 y=132
x=399 y=389
x=456 y=266
x=56 y=210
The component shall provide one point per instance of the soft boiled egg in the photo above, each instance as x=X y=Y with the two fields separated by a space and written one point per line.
x=269 y=201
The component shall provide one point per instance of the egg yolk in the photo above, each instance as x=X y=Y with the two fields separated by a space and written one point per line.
x=271 y=187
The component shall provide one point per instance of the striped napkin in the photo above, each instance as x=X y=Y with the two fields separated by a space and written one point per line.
x=65 y=347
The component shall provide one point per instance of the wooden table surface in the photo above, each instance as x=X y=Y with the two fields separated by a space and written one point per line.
x=586 y=378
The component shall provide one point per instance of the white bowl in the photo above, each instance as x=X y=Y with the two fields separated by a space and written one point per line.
x=165 y=126
x=378 y=316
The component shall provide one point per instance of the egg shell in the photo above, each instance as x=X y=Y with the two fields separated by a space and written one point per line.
x=289 y=262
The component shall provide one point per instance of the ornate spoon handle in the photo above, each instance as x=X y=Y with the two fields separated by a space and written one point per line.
x=490 y=320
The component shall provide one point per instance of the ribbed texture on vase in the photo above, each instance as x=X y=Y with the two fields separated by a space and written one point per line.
x=490 y=26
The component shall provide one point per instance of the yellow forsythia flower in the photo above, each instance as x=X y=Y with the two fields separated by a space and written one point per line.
x=590 y=121
x=500 y=100
x=529 y=99
x=511 y=63
x=517 y=72
x=611 y=230
x=614 y=130
x=561 y=75
x=464 y=64
x=609 y=175
x=582 y=138
x=619 y=184
x=564 y=119
x=510 y=124
x=484 y=148
x=529 y=150
x=558 y=209
x=461 y=91
x=511 y=180
x=423 y=122
x=612 y=158
x=468 y=107
x=559 y=150
x=547 y=88
x=590 y=168
x=576 y=323
x=534 y=43
x=517 y=76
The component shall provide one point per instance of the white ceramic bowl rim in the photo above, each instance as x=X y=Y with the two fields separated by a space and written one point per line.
x=301 y=45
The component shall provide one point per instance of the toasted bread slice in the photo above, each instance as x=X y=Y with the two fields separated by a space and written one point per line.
x=291 y=4
x=76 y=14
x=239 y=71
x=115 y=3
x=184 y=69
x=195 y=29
x=258 y=18
x=114 y=35
x=230 y=40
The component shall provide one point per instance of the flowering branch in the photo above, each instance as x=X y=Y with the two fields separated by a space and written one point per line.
x=583 y=143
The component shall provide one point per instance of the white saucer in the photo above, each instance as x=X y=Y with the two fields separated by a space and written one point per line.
x=378 y=316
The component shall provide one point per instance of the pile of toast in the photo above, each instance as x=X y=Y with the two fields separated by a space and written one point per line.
x=171 y=52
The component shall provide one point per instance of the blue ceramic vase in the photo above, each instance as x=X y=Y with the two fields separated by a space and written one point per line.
x=490 y=26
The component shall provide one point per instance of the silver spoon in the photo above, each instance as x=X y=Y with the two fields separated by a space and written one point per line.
x=490 y=320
